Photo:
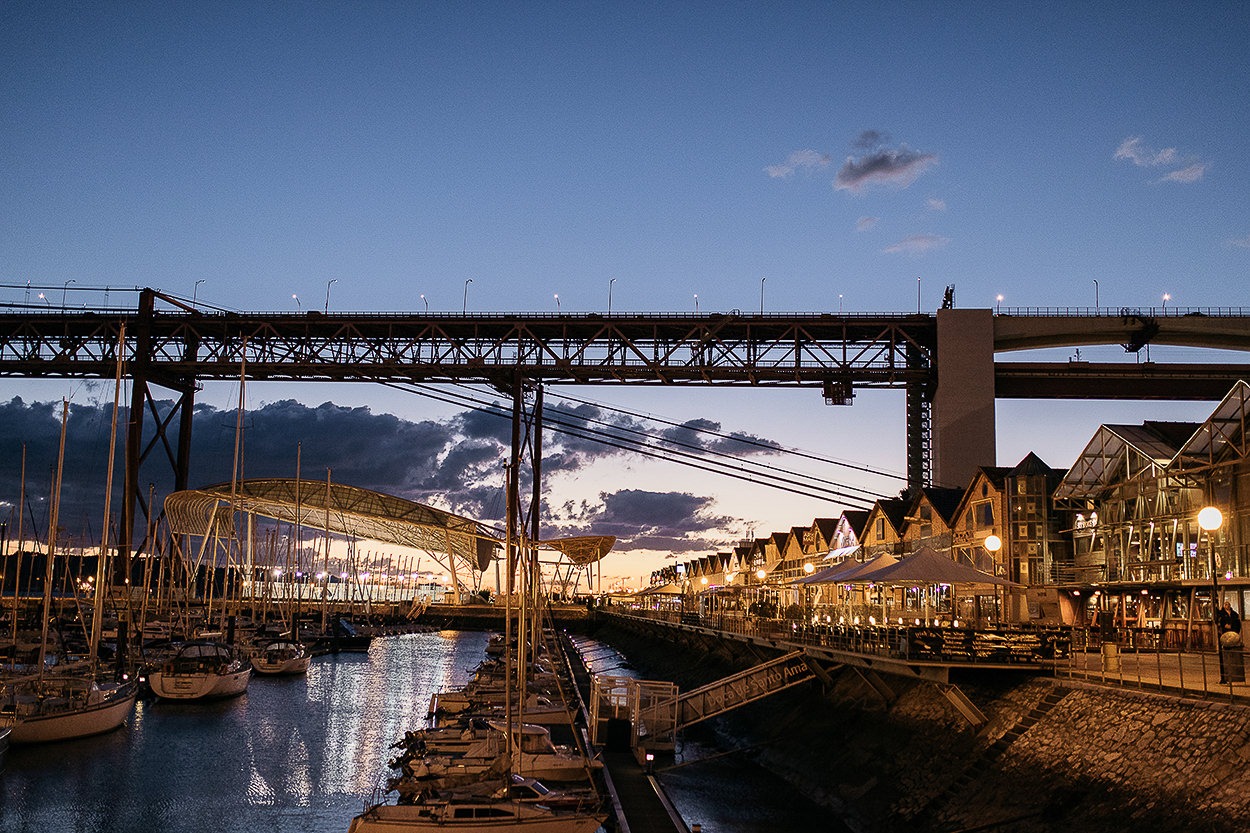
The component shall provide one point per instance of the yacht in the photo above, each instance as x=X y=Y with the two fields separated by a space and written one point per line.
x=200 y=670
x=63 y=708
x=282 y=658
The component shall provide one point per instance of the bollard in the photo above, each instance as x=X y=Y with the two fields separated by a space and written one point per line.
x=1110 y=657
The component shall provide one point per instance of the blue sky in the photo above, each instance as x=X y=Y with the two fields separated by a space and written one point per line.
x=842 y=151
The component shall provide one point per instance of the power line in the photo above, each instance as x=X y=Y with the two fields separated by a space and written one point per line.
x=626 y=443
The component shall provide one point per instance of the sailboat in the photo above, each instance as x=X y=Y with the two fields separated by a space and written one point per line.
x=46 y=707
x=202 y=669
x=282 y=658
x=63 y=708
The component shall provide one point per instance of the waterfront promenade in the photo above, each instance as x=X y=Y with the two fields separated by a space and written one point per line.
x=934 y=652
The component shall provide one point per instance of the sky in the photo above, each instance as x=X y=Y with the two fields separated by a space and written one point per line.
x=791 y=156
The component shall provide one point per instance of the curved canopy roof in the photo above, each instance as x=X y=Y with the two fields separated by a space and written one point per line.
x=361 y=513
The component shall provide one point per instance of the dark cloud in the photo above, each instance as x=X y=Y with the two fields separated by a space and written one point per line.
x=647 y=520
x=457 y=463
x=879 y=165
x=708 y=435
x=870 y=139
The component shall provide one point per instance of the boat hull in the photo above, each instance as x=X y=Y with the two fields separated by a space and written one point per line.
x=400 y=818
x=295 y=665
x=205 y=686
x=93 y=719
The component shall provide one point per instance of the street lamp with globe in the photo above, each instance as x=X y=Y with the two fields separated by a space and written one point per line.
x=1210 y=519
x=992 y=545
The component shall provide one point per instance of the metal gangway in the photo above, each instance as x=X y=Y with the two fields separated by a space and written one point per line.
x=655 y=712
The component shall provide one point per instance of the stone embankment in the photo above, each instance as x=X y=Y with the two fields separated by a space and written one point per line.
x=1055 y=755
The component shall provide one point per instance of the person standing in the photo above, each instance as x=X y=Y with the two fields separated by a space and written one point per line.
x=1227 y=621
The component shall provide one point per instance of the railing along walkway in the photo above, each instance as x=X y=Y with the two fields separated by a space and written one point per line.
x=1070 y=653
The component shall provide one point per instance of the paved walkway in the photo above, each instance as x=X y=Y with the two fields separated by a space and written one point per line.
x=1184 y=673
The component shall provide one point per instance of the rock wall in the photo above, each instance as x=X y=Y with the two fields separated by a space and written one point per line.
x=1054 y=756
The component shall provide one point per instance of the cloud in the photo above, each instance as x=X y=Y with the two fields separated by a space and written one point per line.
x=866 y=223
x=1190 y=173
x=1240 y=242
x=1133 y=150
x=870 y=139
x=805 y=159
x=649 y=520
x=456 y=464
x=895 y=167
x=935 y=204
x=917 y=244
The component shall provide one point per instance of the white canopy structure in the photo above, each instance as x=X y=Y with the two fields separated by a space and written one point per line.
x=349 y=510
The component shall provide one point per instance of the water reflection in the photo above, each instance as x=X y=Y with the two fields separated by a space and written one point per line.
x=293 y=755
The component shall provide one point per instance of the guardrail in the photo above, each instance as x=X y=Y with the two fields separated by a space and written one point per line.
x=912 y=643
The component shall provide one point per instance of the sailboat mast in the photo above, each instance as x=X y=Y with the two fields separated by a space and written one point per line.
x=53 y=520
x=21 y=543
x=102 y=561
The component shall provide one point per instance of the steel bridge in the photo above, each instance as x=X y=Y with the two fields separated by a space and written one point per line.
x=945 y=362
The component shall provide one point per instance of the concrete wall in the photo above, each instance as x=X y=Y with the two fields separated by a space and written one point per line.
x=963 y=404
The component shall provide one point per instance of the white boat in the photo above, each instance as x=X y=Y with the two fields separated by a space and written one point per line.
x=533 y=754
x=201 y=670
x=472 y=817
x=64 y=708
x=282 y=658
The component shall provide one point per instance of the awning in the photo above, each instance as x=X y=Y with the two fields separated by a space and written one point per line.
x=927 y=566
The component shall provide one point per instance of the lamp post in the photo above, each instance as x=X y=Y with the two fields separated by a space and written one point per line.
x=329 y=284
x=195 y=291
x=808 y=569
x=298 y=306
x=1095 y=294
x=610 y=282
x=992 y=545
x=762 y=295
x=465 y=308
x=696 y=303
x=1210 y=518
x=998 y=304
x=64 y=290
x=426 y=301
x=557 y=297
x=1167 y=296
x=839 y=304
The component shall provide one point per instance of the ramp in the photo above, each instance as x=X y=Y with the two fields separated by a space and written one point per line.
x=747 y=686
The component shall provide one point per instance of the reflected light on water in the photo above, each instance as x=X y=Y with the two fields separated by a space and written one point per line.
x=292 y=755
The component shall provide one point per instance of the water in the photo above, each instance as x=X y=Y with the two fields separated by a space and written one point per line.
x=292 y=755
x=712 y=785
x=305 y=754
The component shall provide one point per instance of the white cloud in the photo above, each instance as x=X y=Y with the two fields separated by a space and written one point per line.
x=1190 y=173
x=866 y=223
x=1240 y=242
x=917 y=244
x=935 y=204
x=805 y=159
x=1134 y=151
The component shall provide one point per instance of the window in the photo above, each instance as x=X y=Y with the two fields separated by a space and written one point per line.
x=984 y=513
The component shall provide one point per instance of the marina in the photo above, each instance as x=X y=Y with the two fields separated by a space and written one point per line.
x=304 y=754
